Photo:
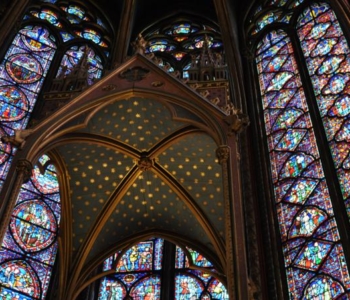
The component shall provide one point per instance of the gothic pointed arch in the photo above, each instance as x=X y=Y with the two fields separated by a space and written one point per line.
x=139 y=271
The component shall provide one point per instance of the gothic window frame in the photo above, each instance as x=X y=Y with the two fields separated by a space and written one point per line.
x=176 y=39
x=255 y=34
x=29 y=261
x=185 y=267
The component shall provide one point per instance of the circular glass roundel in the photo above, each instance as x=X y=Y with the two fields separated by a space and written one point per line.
x=19 y=276
x=33 y=225
x=13 y=104
x=24 y=68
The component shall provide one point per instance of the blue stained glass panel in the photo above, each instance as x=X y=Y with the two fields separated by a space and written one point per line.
x=304 y=210
x=187 y=287
x=21 y=76
x=148 y=288
x=32 y=235
x=327 y=56
x=137 y=258
x=74 y=55
x=111 y=289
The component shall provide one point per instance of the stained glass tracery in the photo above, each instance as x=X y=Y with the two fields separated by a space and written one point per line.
x=314 y=258
x=177 y=42
x=139 y=274
x=279 y=12
x=75 y=15
x=196 y=283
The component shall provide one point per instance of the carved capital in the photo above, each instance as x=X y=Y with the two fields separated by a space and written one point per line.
x=236 y=119
x=145 y=163
x=223 y=153
x=18 y=140
x=25 y=168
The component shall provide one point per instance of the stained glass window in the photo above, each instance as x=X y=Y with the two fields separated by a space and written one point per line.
x=327 y=55
x=48 y=15
x=75 y=55
x=28 y=252
x=192 y=283
x=22 y=73
x=312 y=247
x=75 y=15
x=138 y=273
x=175 y=43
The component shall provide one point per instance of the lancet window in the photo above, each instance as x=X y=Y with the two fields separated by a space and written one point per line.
x=302 y=59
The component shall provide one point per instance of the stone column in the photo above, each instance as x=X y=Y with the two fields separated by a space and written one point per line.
x=22 y=175
x=223 y=154
x=122 y=41
x=229 y=31
x=236 y=269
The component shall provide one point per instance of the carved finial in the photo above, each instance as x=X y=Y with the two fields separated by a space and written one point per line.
x=195 y=86
x=17 y=140
x=205 y=93
x=176 y=74
x=223 y=153
x=184 y=80
x=215 y=101
x=150 y=56
x=140 y=44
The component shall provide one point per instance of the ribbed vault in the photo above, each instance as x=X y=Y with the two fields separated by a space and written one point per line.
x=138 y=155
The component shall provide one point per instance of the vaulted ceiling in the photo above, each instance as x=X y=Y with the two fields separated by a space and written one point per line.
x=138 y=150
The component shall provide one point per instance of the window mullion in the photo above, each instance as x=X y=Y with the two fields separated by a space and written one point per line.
x=168 y=271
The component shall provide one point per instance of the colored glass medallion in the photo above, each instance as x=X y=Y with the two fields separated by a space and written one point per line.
x=19 y=276
x=13 y=104
x=182 y=29
x=148 y=288
x=24 y=68
x=33 y=226
x=49 y=16
x=137 y=258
